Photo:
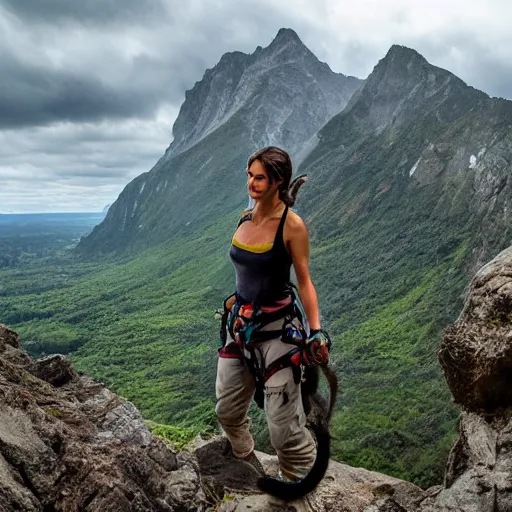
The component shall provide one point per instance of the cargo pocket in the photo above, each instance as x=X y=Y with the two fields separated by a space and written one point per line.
x=282 y=415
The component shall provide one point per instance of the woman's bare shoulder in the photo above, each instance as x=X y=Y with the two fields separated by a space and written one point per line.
x=295 y=223
x=295 y=219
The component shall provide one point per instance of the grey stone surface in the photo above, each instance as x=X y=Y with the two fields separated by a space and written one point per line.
x=476 y=356
x=291 y=95
x=75 y=445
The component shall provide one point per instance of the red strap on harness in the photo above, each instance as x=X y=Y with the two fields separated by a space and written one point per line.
x=231 y=351
x=292 y=358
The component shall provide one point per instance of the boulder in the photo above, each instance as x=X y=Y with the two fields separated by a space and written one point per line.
x=476 y=356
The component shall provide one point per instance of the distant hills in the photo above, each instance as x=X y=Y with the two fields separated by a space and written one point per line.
x=51 y=219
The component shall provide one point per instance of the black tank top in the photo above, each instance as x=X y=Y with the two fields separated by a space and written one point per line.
x=262 y=276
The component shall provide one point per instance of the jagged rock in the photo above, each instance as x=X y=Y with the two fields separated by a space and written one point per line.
x=476 y=354
x=217 y=462
x=401 y=497
x=479 y=470
x=8 y=338
x=476 y=446
x=55 y=369
x=67 y=443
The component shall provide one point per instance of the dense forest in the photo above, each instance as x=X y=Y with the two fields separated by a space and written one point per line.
x=40 y=238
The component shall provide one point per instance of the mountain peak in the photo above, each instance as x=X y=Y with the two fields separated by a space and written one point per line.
x=289 y=39
x=288 y=45
x=404 y=85
x=238 y=78
x=398 y=50
x=402 y=60
x=286 y=35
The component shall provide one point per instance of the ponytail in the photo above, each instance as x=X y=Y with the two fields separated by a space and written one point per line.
x=289 y=195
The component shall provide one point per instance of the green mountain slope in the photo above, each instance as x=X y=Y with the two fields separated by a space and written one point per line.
x=409 y=191
x=402 y=210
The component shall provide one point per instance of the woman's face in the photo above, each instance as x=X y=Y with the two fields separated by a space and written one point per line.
x=258 y=182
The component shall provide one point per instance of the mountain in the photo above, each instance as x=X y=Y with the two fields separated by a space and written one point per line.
x=285 y=90
x=415 y=142
x=408 y=192
x=279 y=95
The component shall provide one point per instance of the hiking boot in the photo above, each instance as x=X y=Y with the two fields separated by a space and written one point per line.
x=255 y=463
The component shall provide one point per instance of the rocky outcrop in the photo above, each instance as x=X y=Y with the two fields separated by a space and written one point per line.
x=476 y=356
x=67 y=443
x=343 y=488
x=477 y=351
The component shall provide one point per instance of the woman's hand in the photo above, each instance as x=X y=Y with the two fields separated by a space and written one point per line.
x=318 y=346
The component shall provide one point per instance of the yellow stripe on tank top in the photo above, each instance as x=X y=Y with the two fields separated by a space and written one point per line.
x=258 y=248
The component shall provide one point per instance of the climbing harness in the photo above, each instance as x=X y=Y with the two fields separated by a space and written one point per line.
x=244 y=322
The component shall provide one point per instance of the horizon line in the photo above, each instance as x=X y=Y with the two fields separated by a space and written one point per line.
x=46 y=213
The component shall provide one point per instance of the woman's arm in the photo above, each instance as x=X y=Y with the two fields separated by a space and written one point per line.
x=299 y=250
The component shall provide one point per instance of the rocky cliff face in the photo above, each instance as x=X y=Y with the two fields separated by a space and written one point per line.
x=287 y=92
x=404 y=85
x=67 y=443
x=278 y=95
x=416 y=138
x=476 y=356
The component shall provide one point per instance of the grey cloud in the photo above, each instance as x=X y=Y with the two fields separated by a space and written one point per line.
x=110 y=85
x=89 y=89
x=31 y=95
x=60 y=151
x=106 y=172
x=98 y=12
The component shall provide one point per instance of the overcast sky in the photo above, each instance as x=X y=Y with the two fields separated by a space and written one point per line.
x=89 y=89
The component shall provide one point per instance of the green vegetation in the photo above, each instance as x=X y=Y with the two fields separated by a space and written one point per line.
x=41 y=237
x=146 y=328
x=391 y=256
x=53 y=412
x=177 y=437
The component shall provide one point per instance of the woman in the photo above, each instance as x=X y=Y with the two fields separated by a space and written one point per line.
x=265 y=349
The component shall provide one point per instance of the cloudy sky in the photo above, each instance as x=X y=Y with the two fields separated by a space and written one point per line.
x=89 y=89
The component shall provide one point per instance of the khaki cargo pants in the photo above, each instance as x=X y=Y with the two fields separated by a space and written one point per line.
x=286 y=420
